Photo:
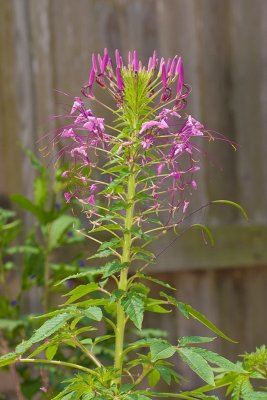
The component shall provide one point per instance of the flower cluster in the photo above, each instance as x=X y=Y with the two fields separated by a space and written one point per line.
x=149 y=137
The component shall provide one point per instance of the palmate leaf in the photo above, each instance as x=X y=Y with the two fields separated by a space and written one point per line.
x=161 y=349
x=205 y=321
x=198 y=364
x=218 y=360
x=188 y=311
x=146 y=342
x=133 y=306
x=186 y=340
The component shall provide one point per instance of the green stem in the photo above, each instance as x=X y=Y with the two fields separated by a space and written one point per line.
x=88 y=353
x=143 y=375
x=46 y=271
x=126 y=250
x=123 y=282
x=46 y=285
x=55 y=362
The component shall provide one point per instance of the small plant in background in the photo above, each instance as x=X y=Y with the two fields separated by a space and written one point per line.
x=37 y=262
x=134 y=178
x=52 y=228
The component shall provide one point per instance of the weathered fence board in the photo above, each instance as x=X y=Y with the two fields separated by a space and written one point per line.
x=45 y=46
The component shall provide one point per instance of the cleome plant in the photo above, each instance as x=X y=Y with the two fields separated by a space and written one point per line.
x=133 y=174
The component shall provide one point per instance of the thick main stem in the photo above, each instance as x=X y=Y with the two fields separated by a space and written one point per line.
x=121 y=318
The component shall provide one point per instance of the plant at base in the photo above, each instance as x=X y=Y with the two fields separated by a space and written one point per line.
x=134 y=178
x=39 y=261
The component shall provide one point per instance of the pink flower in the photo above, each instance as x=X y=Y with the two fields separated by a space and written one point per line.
x=186 y=204
x=91 y=200
x=152 y=124
x=67 y=196
x=79 y=151
x=78 y=103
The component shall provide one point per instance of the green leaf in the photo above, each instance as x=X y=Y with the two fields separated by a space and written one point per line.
x=36 y=163
x=111 y=227
x=153 y=377
x=158 y=281
x=94 y=313
x=58 y=229
x=151 y=333
x=70 y=309
x=133 y=306
x=51 y=351
x=88 y=396
x=198 y=364
x=40 y=190
x=100 y=339
x=8 y=359
x=28 y=205
x=185 y=340
x=232 y=203
x=81 y=291
x=181 y=306
x=218 y=360
x=23 y=346
x=49 y=327
x=119 y=205
x=156 y=308
x=205 y=321
x=111 y=243
x=137 y=396
x=113 y=267
x=102 y=254
x=168 y=374
x=161 y=349
x=189 y=311
x=10 y=324
x=70 y=396
x=23 y=249
x=91 y=272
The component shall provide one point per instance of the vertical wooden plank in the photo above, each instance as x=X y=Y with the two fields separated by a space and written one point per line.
x=246 y=70
x=177 y=24
x=42 y=66
x=10 y=177
x=24 y=86
x=263 y=102
x=216 y=87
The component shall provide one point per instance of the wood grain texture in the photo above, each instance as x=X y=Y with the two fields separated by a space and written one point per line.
x=9 y=155
x=47 y=46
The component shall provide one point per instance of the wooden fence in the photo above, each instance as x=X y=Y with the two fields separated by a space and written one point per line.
x=46 y=45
